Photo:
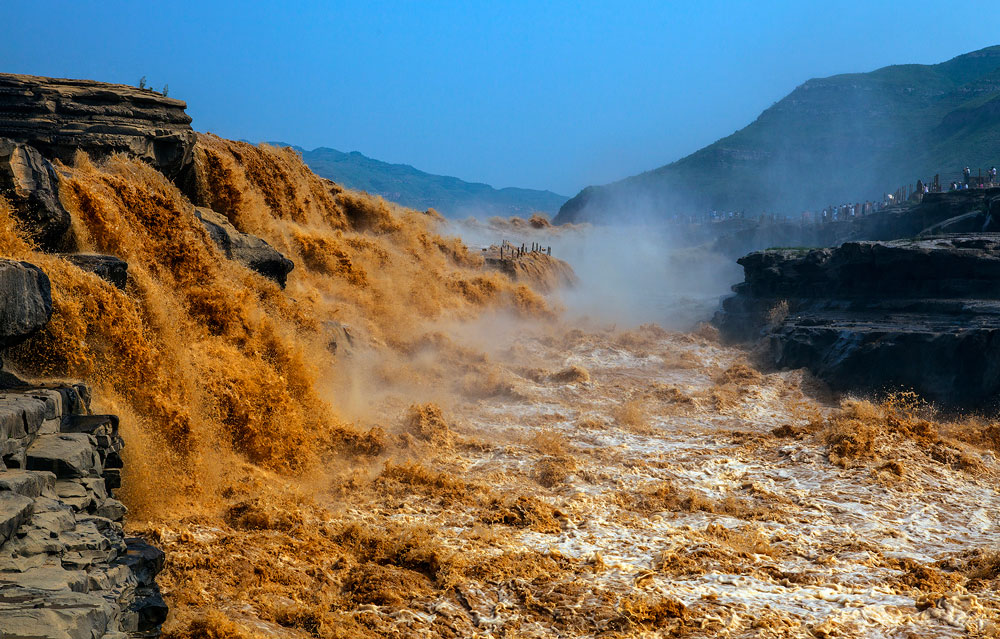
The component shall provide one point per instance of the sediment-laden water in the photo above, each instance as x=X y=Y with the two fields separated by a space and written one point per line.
x=473 y=461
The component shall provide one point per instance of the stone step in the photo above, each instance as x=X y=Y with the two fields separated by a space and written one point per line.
x=67 y=455
x=20 y=415
x=30 y=483
x=49 y=577
x=15 y=509
x=54 y=615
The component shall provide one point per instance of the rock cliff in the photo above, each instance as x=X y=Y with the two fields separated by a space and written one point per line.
x=876 y=316
x=58 y=117
x=66 y=567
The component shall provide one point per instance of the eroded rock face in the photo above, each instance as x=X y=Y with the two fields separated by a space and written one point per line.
x=59 y=116
x=249 y=250
x=30 y=183
x=107 y=267
x=25 y=301
x=878 y=316
x=66 y=567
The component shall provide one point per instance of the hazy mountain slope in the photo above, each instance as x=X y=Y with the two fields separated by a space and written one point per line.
x=831 y=140
x=416 y=189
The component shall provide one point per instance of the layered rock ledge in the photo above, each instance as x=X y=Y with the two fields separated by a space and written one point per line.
x=67 y=570
x=58 y=116
x=878 y=316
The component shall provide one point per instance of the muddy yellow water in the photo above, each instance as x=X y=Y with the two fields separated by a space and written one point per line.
x=612 y=483
x=473 y=462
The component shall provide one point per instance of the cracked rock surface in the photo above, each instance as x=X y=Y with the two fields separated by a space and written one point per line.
x=67 y=570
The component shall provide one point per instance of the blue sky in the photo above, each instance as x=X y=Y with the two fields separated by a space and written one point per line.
x=552 y=95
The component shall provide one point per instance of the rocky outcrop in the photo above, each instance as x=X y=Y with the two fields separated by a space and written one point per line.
x=25 y=301
x=965 y=211
x=248 y=250
x=30 y=183
x=66 y=567
x=877 y=316
x=530 y=265
x=59 y=117
x=107 y=267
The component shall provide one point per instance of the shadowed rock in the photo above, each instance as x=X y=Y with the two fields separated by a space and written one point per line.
x=107 y=267
x=30 y=183
x=58 y=116
x=15 y=509
x=25 y=301
x=248 y=250
x=875 y=316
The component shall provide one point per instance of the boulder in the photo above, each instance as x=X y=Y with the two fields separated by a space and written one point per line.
x=107 y=267
x=25 y=301
x=919 y=315
x=31 y=185
x=60 y=116
x=248 y=250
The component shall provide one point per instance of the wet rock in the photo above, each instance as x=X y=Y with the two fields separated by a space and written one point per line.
x=107 y=267
x=91 y=424
x=878 y=316
x=60 y=116
x=144 y=560
x=150 y=609
x=248 y=250
x=339 y=340
x=25 y=301
x=30 y=183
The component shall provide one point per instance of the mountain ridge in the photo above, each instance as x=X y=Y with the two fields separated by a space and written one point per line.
x=409 y=186
x=835 y=139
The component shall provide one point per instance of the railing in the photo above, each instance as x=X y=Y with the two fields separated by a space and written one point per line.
x=510 y=251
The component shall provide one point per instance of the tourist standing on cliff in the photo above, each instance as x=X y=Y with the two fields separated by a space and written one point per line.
x=967 y=172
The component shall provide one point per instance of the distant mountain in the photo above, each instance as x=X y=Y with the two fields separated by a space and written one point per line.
x=832 y=140
x=410 y=187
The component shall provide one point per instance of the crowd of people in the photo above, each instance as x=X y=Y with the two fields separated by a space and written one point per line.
x=851 y=210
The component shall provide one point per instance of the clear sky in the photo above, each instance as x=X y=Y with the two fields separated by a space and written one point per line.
x=552 y=95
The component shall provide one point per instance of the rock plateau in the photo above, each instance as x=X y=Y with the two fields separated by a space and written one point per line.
x=919 y=314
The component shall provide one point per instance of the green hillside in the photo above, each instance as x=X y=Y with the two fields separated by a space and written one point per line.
x=832 y=140
x=410 y=187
